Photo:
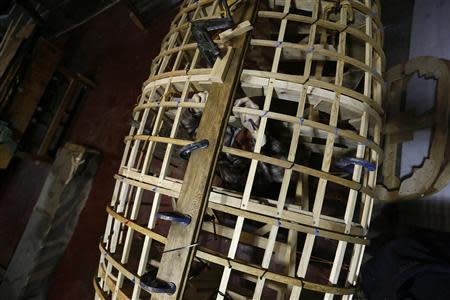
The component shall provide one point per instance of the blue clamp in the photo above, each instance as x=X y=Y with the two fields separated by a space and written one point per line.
x=185 y=152
x=151 y=284
x=174 y=217
x=345 y=162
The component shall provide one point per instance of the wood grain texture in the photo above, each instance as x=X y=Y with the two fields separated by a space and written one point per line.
x=199 y=173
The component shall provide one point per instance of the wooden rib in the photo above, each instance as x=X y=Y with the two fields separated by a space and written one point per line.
x=326 y=161
x=172 y=189
x=352 y=96
x=163 y=171
x=348 y=134
x=158 y=139
x=318 y=49
x=206 y=254
x=169 y=104
x=321 y=174
x=143 y=230
x=163 y=78
x=327 y=25
x=256 y=271
x=283 y=191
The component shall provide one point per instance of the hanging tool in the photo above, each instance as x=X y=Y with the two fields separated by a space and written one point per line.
x=200 y=31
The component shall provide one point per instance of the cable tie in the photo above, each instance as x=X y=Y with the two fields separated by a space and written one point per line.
x=374 y=71
x=181 y=248
x=154 y=189
x=366 y=142
x=278 y=44
x=316 y=231
x=310 y=49
x=373 y=13
x=292 y=166
x=301 y=281
x=336 y=131
x=229 y=263
x=263 y=274
x=380 y=29
x=302 y=120
x=263 y=113
x=345 y=28
x=157 y=103
x=278 y=222
x=225 y=295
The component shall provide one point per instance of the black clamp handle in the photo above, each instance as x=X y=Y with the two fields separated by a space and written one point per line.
x=151 y=284
x=185 y=152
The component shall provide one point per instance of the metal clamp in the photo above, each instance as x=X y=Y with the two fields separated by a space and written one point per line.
x=151 y=284
x=200 y=31
x=185 y=152
x=174 y=217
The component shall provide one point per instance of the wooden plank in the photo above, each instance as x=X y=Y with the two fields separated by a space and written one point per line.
x=257 y=271
x=218 y=259
x=196 y=187
x=51 y=223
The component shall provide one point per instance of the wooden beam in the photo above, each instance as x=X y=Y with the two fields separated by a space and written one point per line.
x=51 y=223
x=200 y=170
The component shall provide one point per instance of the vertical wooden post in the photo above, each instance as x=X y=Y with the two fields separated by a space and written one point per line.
x=200 y=170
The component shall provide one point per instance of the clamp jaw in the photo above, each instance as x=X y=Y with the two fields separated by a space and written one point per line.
x=200 y=31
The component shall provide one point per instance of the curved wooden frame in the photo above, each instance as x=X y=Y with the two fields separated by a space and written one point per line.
x=178 y=73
